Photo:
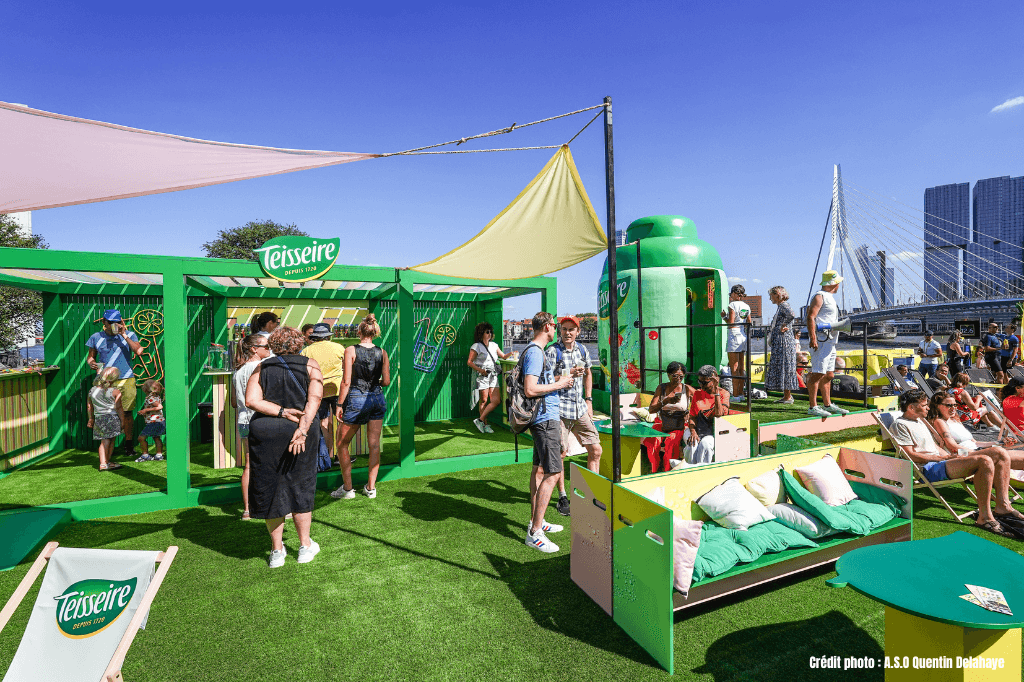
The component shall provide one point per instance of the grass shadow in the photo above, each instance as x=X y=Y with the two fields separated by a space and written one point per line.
x=490 y=490
x=782 y=651
x=556 y=603
x=433 y=507
x=223 y=534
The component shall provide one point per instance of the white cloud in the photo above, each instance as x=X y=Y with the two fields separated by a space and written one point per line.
x=737 y=280
x=1008 y=104
x=373 y=265
x=757 y=281
x=905 y=255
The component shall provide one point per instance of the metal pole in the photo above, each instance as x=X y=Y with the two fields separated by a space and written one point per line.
x=865 y=366
x=640 y=322
x=613 y=282
x=748 y=379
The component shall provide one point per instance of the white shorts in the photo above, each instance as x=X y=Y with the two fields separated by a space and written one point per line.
x=489 y=381
x=736 y=344
x=823 y=360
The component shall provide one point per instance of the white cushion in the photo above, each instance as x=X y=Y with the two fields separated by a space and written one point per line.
x=825 y=479
x=767 y=488
x=731 y=506
x=801 y=521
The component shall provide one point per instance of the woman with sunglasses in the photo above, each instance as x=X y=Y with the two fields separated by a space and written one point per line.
x=970 y=410
x=710 y=401
x=671 y=402
x=942 y=415
x=251 y=352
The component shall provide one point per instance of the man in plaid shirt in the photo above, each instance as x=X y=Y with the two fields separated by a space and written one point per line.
x=575 y=404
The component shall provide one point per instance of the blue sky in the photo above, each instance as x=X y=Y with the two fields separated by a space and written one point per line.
x=731 y=115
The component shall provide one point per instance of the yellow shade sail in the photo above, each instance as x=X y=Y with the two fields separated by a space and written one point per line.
x=550 y=226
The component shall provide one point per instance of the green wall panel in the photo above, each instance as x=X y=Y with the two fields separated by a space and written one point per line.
x=78 y=324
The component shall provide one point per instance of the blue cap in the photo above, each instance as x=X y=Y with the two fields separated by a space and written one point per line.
x=111 y=316
x=320 y=329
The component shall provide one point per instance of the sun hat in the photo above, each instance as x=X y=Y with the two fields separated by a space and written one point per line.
x=112 y=315
x=320 y=329
x=572 y=319
x=830 y=277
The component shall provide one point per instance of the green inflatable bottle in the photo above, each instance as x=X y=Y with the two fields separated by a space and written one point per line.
x=667 y=277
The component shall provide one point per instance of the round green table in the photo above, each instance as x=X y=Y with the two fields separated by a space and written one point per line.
x=929 y=629
x=631 y=438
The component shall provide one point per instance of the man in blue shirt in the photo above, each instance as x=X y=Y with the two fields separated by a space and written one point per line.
x=115 y=346
x=992 y=346
x=546 y=430
x=1008 y=354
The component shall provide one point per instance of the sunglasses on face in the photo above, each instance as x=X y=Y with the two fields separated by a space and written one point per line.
x=948 y=404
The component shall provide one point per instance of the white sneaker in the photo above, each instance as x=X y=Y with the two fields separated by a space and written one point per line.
x=550 y=527
x=342 y=494
x=488 y=429
x=276 y=559
x=479 y=425
x=306 y=554
x=539 y=541
x=817 y=411
x=835 y=409
x=369 y=493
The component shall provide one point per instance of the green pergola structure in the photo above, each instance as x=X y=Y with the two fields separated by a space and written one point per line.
x=192 y=294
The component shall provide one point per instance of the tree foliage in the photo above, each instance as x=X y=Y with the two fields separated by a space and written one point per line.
x=20 y=310
x=588 y=322
x=241 y=242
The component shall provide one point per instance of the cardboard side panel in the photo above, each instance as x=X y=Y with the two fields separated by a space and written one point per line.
x=642 y=561
x=888 y=473
x=590 y=563
x=808 y=427
x=732 y=437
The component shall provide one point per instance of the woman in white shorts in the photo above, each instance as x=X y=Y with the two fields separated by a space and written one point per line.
x=483 y=359
x=737 y=315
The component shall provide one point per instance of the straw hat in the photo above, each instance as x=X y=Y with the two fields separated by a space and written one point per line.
x=830 y=277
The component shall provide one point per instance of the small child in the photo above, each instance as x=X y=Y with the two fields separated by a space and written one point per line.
x=105 y=415
x=153 y=410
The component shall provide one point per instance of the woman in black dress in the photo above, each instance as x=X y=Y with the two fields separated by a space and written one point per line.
x=284 y=437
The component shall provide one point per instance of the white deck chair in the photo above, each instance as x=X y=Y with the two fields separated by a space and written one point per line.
x=885 y=421
x=112 y=673
x=1015 y=497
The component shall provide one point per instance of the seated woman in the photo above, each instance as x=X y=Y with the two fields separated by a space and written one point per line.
x=942 y=414
x=803 y=362
x=671 y=402
x=709 y=402
x=970 y=410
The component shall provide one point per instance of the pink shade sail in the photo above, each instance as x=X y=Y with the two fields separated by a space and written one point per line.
x=51 y=160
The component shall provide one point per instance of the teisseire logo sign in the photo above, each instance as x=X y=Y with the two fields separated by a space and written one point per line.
x=89 y=606
x=298 y=259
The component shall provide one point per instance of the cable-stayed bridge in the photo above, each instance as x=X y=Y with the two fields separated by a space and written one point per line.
x=899 y=262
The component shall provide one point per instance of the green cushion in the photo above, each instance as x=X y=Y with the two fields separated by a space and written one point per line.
x=874 y=507
x=722 y=548
x=837 y=517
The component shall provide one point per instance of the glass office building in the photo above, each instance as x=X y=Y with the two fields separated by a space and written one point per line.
x=947 y=233
x=993 y=264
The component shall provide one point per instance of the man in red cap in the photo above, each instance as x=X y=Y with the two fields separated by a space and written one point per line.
x=575 y=404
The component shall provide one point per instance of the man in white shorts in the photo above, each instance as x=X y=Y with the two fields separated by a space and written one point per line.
x=823 y=310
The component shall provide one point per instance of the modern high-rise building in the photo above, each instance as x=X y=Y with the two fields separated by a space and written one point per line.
x=993 y=264
x=947 y=232
x=872 y=266
x=620 y=237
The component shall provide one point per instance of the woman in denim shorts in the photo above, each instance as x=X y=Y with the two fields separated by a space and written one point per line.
x=362 y=402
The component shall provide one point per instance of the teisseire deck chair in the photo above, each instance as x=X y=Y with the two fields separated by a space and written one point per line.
x=885 y=421
x=921 y=382
x=1008 y=428
x=1016 y=371
x=90 y=605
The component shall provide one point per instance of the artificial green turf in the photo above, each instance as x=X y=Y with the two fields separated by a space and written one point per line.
x=432 y=581
x=74 y=474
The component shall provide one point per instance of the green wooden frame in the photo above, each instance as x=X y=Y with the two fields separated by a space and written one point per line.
x=188 y=277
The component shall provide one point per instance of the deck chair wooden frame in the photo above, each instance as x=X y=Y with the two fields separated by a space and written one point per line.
x=990 y=401
x=923 y=481
x=113 y=671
